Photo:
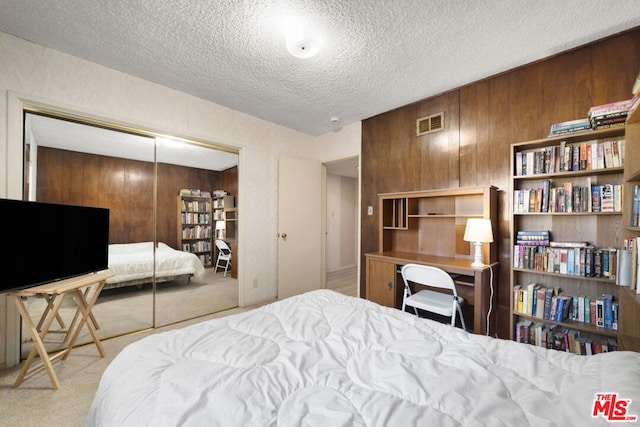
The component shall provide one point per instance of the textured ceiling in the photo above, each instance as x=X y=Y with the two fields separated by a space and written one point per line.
x=375 y=55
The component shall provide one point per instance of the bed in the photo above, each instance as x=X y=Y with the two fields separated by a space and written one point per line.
x=326 y=359
x=133 y=264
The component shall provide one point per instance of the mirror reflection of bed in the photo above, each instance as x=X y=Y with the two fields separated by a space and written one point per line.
x=151 y=287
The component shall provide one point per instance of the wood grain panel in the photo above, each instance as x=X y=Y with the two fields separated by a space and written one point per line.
x=137 y=190
x=615 y=66
x=566 y=86
x=124 y=186
x=439 y=150
x=230 y=182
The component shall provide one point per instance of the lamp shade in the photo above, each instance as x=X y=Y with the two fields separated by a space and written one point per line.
x=478 y=230
x=220 y=225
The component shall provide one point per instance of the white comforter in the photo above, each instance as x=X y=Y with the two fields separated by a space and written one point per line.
x=132 y=261
x=324 y=359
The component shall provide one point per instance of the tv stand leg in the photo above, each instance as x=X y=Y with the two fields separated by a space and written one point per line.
x=38 y=345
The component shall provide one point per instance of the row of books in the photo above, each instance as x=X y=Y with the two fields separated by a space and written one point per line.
x=197 y=232
x=586 y=262
x=549 y=304
x=195 y=218
x=199 y=246
x=194 y=192
x=562 y=339
x=196 y=206
x=580 y=156
x=569 y=198
x=205 y=259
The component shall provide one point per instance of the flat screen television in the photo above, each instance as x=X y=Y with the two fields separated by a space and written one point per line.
x=47 y=242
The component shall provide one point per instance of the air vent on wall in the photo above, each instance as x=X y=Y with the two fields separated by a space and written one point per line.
x=428 y=124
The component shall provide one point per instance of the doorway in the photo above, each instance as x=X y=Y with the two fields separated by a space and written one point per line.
x=342 y=225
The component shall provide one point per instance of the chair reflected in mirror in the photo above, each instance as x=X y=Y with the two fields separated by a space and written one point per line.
x=224 y=256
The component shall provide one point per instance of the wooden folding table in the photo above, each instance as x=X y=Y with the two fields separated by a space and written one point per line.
x=54 y=294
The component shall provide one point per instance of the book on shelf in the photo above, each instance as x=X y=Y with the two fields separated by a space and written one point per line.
x=600 y=313
x=609 y=119
x=607 y=320
x=606 y=198
x=570 y=126
x=624 y=274
x=610 y=126
x=632 y=268
x=635 y=101
x=533 y=234
x=595 y=199
x=615 y=154
x=617 y=197
x=608 y=108
x=635 y=207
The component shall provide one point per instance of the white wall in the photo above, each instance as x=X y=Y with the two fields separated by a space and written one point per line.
x=32 y=72
x=341 y=222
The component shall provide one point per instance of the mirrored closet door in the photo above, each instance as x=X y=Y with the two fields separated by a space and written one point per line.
x=189 y=175
x=158 y=279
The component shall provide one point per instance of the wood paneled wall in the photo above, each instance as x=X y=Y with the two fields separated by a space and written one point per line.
x=481 y=121
x=230 y=182
x=124 y=186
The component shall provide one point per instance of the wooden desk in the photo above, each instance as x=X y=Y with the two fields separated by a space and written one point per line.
x=54 y=294
x=386 y=288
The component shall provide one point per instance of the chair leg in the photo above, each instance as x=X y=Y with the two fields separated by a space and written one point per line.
x=464 y=326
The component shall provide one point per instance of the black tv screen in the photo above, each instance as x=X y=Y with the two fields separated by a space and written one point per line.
x=46 y=242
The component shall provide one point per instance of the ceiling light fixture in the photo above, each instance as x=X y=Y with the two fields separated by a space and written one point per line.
x=301 y=41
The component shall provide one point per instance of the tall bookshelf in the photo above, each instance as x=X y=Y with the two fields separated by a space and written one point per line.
x=225 y=216
x=195 y=224
x=629 y=331
x=570 y=220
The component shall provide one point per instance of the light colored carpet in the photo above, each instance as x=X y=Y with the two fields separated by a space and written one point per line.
x=35 y=403
x=125 y=310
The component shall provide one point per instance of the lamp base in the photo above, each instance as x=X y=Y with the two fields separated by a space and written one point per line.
x=477 y=256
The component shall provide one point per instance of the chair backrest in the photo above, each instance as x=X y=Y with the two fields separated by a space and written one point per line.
x=428 y=275
x=223 y=247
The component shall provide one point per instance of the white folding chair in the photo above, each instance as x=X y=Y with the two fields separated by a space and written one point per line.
x=444 y=304
x=224 y=256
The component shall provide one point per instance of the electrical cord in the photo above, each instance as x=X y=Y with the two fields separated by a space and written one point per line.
x=490 y=298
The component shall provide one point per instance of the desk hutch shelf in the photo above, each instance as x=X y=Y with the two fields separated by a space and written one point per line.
x=427 y=227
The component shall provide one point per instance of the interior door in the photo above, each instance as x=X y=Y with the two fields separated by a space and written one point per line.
x=300 y=229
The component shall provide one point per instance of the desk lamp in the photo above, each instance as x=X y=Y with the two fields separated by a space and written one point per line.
x=220 y=229
x=478 y=231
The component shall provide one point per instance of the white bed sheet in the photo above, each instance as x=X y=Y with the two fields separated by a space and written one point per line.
x=133 y=261
x=328 y=360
